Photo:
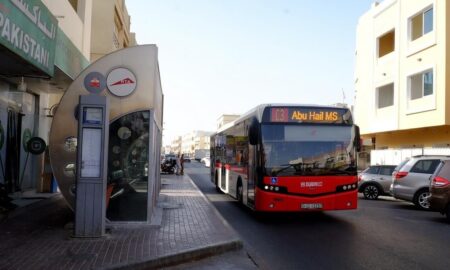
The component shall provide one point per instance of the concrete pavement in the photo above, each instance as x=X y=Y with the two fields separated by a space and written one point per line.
x=37 y=236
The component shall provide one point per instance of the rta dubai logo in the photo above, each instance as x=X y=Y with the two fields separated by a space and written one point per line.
x=121 y=82
x=124 y=81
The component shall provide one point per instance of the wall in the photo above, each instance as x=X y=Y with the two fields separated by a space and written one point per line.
x=70 y=23
x=408 y=58
x=102 y=28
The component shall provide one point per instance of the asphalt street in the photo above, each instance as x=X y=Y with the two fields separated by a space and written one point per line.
x=382 y=234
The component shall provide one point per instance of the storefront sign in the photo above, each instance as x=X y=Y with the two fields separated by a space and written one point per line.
x=25 y=138
x=121 y=82
x=28 y=29
x=68 y=58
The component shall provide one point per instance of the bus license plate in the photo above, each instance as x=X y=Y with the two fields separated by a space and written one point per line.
x=311 y=206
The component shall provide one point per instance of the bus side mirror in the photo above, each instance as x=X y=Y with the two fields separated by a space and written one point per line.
x=357 y=139
x=253 y=132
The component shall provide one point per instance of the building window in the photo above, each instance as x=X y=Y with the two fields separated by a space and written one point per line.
x=74 y=4
x=421 y=24
x=386 y=43
x=385 y=96
x=421 y=85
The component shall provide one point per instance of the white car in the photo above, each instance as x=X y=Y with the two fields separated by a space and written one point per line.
x=206 y=161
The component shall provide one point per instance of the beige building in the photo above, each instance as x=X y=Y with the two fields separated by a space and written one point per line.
x=110 y=28
x=32 y=84
x=225 y=119
x=195 y=141
x=402 y=66
x=34 y=75
x=176 y=145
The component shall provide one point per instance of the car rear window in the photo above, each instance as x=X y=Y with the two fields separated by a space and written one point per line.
x=399 y=166
x=425 y=166
x=372 y=170
x=445 y=170
x=386 y=170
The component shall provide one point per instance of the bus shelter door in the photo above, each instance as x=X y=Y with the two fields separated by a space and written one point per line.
x=251 y=175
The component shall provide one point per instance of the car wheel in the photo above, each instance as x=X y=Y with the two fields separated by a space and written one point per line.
x=371 y=192
x=421 y=199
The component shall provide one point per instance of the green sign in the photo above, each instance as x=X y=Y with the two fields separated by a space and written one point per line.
x=25 y=138
x=68 y=58
x=28 y=29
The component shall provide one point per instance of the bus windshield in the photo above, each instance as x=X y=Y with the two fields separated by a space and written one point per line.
x=290 y=150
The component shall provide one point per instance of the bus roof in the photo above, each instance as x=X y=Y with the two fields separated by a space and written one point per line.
x=259 y=110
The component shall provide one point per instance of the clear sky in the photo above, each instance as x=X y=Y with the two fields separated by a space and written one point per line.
x=227 y=56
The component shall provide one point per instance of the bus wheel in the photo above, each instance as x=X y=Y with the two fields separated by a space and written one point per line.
x=239 y=192
x=216 y=182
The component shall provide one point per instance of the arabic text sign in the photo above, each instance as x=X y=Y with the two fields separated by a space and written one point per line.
x=29 y=29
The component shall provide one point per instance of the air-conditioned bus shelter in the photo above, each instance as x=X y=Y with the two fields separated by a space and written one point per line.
x=130 y=80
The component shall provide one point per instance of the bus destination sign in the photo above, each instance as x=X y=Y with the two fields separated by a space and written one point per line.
x=308 y=115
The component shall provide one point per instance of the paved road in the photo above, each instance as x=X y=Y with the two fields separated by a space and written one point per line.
x=382 y=234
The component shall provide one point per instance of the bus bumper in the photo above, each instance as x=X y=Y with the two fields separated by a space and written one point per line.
x=275 y=202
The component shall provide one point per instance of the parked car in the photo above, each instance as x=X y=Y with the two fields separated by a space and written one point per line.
x=375 y=181
x=440 y=189
x=399 y=166
x=412 y=181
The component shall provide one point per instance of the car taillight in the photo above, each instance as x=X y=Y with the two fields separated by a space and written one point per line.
x=359 y=178
x=440 y=182
x=400 y=175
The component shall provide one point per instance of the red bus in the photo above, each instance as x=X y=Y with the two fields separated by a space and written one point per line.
x=288 y=158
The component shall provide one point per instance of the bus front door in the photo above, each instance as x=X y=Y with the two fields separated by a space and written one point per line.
x=251 y=175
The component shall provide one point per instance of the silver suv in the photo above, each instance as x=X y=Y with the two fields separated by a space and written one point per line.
x=412 y=181
x=375 y=181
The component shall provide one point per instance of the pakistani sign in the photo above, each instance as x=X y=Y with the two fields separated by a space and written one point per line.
x=28 y=29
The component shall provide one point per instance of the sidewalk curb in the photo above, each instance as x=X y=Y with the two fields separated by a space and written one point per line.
x=191 y=254
x=182 y=257
x=224 y=221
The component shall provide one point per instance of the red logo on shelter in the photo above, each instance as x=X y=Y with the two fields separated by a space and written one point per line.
x=94 y=83
x=122 y=82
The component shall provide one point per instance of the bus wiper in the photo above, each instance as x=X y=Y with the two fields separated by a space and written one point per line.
x=299 y=167
x=286 y=166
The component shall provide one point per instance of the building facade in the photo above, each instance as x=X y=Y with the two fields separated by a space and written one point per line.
x=40 y=58
x=194 y=141
x=110 y=28
x=176 y=145
x=225 y=119
x=401 y=99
